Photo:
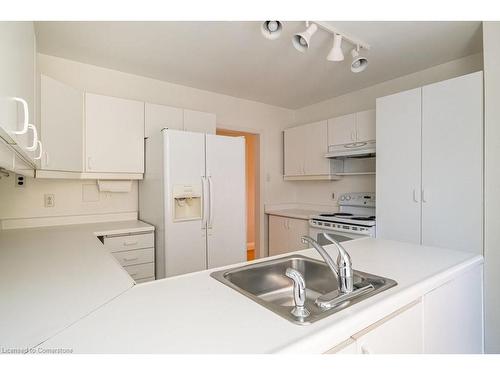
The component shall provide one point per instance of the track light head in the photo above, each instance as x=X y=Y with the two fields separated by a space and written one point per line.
x=301 y=40
x=336 y=53
x=271 y=29
x=359 y=63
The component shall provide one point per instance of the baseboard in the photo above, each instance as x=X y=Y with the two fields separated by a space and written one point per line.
x=66 y=220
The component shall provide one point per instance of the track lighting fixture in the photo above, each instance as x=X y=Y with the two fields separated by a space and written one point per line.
x=271 y=29
x=301 y=40
x=336 y=53
x=359 y=63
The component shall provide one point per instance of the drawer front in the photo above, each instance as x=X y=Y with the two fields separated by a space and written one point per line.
x=135 y=241
x=131 y=257
x=139 y=281
x=141 y=271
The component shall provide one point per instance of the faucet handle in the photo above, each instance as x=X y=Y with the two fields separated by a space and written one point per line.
x=299 y=293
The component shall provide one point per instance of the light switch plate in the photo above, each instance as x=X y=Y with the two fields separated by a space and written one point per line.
x=90 y=193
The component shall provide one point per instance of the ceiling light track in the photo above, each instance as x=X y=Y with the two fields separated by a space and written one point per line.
x=301 y=42
x=345 y=37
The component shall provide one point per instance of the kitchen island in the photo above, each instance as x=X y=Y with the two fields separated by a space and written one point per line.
x=436 y=307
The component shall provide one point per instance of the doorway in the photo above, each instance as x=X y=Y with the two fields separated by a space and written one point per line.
x=252 y=187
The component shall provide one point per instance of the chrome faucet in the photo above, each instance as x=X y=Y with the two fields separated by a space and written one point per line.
x=342 y=268
x=299 y=293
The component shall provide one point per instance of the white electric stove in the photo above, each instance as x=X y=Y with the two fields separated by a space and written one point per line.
x=355 y=219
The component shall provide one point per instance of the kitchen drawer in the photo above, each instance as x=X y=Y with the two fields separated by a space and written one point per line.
x=141 y=271
x=147 y=279
x=131 y=257
x=129 y=242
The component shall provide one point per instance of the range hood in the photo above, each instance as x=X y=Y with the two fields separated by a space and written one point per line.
x=352 y=150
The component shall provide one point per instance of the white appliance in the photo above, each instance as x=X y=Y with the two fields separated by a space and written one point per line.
x=355 y=219
x=352 y=150
x=193 y=192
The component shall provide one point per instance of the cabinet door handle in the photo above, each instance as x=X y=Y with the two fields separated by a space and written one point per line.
x=24 y=130
x=34 y=146
x=353 y=135
x=47 y=159
x=130 y=259
x=89 y=163
x=425 y=195
x=40 y=151
x=130 y=243
x=416 y=198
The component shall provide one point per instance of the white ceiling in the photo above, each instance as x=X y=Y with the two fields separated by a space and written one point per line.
x=233 y=58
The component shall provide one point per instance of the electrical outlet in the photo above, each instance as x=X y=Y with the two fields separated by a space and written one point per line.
x=20 y=181
x=50 y=200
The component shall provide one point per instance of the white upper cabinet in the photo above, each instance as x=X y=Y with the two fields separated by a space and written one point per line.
x=17 y=80
x=452 y=163
x=61 y=113
x=315 y=146
x=304 y=151
x=430 y=164
x=159 y=116
x=294 y=151
x=342 y=130
x=398 y=166
x=353 y=128
x=202 y=122
x=114 y=134
x=365 y=126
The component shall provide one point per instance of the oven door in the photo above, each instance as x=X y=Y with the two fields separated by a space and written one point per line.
x=317 y=234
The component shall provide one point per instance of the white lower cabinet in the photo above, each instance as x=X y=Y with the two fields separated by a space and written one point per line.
x=453 y=316
x=135 y=253
x=285 y=234
x=399 y=333
x=445 y=320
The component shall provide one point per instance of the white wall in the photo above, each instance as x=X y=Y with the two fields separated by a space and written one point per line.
x=320 y=192
x=491 y=45
x=28 y=202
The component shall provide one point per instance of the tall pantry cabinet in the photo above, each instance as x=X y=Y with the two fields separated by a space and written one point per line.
x=430 y=164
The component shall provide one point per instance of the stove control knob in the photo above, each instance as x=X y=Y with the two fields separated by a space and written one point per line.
x=342 y=198
x=348 y=197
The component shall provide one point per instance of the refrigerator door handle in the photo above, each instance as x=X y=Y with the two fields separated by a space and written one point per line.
x=211 y=209
x=204 y=202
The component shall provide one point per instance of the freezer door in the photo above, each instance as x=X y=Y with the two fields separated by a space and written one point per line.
x=185 y=239
x=227 y=208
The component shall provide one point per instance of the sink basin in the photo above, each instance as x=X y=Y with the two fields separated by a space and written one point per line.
x=265 y=283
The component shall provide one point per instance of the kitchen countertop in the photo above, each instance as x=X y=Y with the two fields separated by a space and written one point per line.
x=195 y=313
x=52 y=276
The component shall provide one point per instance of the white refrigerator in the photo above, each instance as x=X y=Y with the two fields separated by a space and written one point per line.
x=194 y=194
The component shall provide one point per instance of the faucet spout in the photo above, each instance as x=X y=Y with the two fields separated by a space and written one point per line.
x=326 y=257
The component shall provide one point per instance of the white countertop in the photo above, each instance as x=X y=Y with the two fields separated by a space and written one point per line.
x=195 y=313
x=52 y=276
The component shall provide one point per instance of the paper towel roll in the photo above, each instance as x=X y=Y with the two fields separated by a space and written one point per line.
x=115 y=186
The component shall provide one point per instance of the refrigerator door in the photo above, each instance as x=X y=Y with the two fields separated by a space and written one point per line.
x=227 y=209
x=185 y=236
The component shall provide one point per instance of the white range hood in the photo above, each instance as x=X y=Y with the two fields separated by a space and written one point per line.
x=352 y=150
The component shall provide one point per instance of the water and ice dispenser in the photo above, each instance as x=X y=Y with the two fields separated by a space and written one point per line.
x=187 y=202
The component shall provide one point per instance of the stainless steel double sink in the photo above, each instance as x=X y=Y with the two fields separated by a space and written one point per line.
x=265 y=283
